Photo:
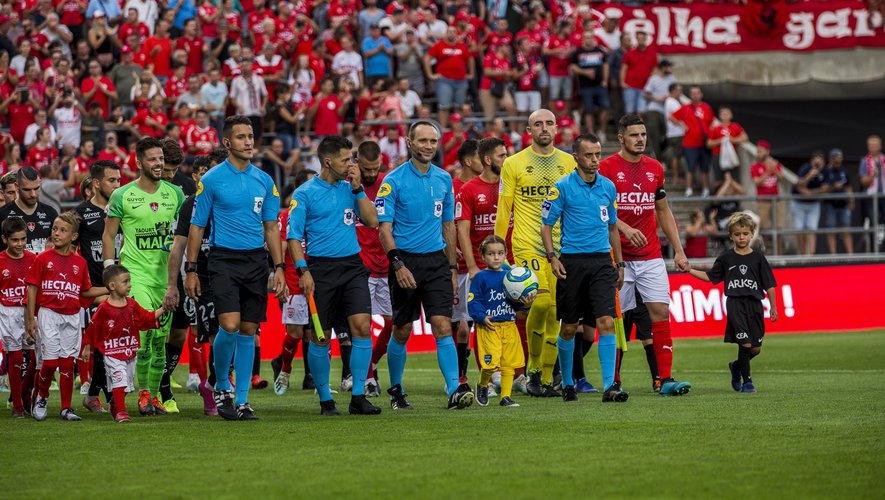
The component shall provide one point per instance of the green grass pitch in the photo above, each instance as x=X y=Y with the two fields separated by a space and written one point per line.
x=815 y=429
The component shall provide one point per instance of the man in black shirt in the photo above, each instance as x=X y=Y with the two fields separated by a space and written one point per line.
x=105 y=176
x=38 y=216
x=590 y=63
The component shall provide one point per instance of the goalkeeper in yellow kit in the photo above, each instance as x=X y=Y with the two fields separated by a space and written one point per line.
x=526 y=179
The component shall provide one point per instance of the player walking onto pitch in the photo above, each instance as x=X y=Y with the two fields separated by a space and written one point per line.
x=642 y=205
x=324 y=212
x=585 y=203
x=526 y=179
x=241 y=202
x=748 y=276
x=415 y=207
x=145 y=211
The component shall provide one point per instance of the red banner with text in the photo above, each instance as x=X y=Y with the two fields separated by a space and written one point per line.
x=809 y=299
x=757 y=26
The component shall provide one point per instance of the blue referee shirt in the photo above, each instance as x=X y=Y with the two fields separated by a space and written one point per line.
x=325 y=215
x=417 y=204
x=236 y=203
x=586 y=211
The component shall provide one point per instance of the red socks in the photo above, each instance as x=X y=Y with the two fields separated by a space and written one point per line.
x=380 y=347
x=66 y=381
x=196 y=356
x=119 y=399
x=15 y=379
x=44 y=379
x=663 y=344
x=84 y=369
x=290 y=348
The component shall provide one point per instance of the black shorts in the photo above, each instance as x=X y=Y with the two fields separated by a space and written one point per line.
x=180 y=317
x=589 y=290
x=239 y=282
x=341 y=289
x=202 y=312
x=433 y=280
x=640 y=318
x=745 y=322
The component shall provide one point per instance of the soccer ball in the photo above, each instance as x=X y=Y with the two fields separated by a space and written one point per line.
x=519 y=282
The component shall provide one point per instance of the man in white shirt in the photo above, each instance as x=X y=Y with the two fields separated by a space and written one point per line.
x=672 y=151
x=409 y=98
x=609 y=33
x=348 y=63
x=68 y=115
x=432 y=29
x=39 y=121
x=249 y=96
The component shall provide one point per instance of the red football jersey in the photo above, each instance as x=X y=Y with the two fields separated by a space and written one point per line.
x=114 y=330
x=39 y=158
x=371 y=250
x=140 y=120
x=13 y=290
x=194 y=48
x=60 y=280
x=291 y=274
x=201 y=141
x=477 y=202
x=639 y=185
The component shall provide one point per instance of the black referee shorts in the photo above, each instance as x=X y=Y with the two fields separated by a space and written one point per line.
x=239 y=282
x=434 y=288
x=746 y=322
x=342 y=288
x=202 y=312
x=640 y=318
x=588 y=292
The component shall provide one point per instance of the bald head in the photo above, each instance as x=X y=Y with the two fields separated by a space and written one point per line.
x=542 y=127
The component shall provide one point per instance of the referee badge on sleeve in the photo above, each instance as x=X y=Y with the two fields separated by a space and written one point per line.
x=437 y=208
x=603 y=213
x=545 y=208
x=349 y=217
x=379 y=206
x=458 y=209
x=259 y=202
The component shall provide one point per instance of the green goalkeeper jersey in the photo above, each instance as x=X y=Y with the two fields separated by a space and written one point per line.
x=146 y=221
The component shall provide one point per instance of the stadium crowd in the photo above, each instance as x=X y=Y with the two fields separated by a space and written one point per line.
x=87 y=86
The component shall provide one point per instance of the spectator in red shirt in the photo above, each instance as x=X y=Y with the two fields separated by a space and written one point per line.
x=98 y=88
x=20 y=112
x=132 y=26
x=638 y=64
x=497 y=74
x=195 y=46
x=113 y=152
x=327 y=110
x=152 y=122
x=41 y=155
x=209 y=15
x=454 y=69
x=766 y=173
x=558 y=51
x=451 y=140
x=498 y=37
x=718 y=134
x=159 y=50
x=201 y=139
x=695 y=118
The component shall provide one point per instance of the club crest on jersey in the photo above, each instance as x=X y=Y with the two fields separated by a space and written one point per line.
x=379 y=206
x=743 y=269
x=76 y=270
x=437 y=208
x=651 y=176
x=458 y=209
x=384 y=190
x=487 y=359
x=621 y=177
x=481 y=198
x=6 y=273
x=31 y=226
x=199 y=188
x=603 y=213
x=49 y=265
x=155 y=206
x=553 y=194
x=349 y=217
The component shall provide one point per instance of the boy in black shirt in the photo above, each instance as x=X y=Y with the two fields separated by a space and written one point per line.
x=747 y=277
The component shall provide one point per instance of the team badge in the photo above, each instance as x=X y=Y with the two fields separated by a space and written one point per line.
x=6 y=273
x=603 y=213
x=487 y=359
x=437 y=208
x=743 y=269
x=621 y=177
x=481 y=198
x=155 y=206
x=31 y=226
x=458 y=209
x=379 y=206
x=76 y=270
x=199 y=188
x=349 y=217
x=384 y=190
x=651 y=176
x=553 y=194
x=49 y=265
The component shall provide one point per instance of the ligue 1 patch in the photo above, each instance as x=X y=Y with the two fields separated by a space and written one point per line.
x=545 y=208
x=553 y=194
x=384 y=190
x=603 y=213
x=259 y=202
x=379 y=206
x=487 y=359
x=437 y=208
x=293 y=204
x=458 y=209
x=200 y=188
x=469 y=296
x=349 y=217
x=275 y=192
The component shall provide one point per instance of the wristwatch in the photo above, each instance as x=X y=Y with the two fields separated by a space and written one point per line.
x=621 y=265
x=190 y=267
x=300 y=270
x=453 y=267
x=357 y=190
x=551 y=256
x=281 y=265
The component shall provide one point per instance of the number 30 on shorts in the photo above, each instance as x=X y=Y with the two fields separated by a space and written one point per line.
x=533 y=264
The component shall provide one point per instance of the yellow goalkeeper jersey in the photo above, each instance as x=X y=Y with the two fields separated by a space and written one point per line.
x=526 y=179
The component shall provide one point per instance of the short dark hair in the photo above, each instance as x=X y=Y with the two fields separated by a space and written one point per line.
x=26 y=173
x=467 y=149
x=172 y=154
x=421 y=123
x=369 y=151
x=331 y=145
x=112 y=272
x=145 y=144
x=302 y=177
x=629 y=120
x=491 y=240
x=13 y=225
x=202 y=161
x=217 y=155
x=96 y=170
x=585 y=138
x=7 y=179
x=672 y=86
x=488 y=146
x=230 y=121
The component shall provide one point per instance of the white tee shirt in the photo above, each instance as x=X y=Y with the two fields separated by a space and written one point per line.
x=349 y=62
x=31 y=133
x=410 y=101
x=68 y=121
x=670 y=107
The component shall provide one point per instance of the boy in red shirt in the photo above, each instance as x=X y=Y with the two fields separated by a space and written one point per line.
x=114 y=331
x=15 y=262
x=58 y=282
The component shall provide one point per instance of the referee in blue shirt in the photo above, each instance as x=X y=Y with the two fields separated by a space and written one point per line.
x=241 y=202
x=415 y=207
x=324 y=212
x=584 y=203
